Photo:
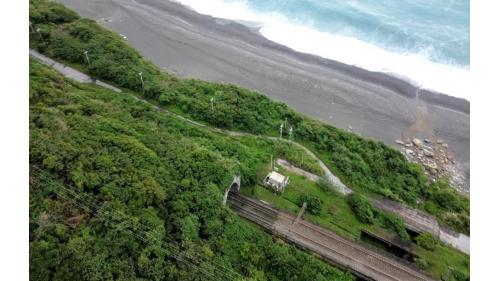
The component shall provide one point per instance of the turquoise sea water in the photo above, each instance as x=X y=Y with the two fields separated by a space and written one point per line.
x=424 y=41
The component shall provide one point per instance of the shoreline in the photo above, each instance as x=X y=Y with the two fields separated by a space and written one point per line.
x=191 y=45
x=392 y=82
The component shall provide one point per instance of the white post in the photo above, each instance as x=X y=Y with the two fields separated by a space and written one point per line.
x=301 y=212
x=87 y=56
x=281 y=131
x=290 y=135
x=272 y=163
x=39 y=34
x=212 y=103
x=31 y=27
x=142 y=82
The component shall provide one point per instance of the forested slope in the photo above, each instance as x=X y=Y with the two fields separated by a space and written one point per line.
x=153 y=190
x=364 y=165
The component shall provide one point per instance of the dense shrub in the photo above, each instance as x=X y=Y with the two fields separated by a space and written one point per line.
x=422 y=263
x=327 y=185
x=454 y=275
x=427 y=241
x=50 y=12
x=448 y=205
x=361 y=207
x=314 y=203
x=392 y=223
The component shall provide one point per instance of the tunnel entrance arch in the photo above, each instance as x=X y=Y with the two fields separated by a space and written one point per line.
x=234 y=187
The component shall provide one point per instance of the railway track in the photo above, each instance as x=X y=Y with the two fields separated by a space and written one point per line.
x=333 y=248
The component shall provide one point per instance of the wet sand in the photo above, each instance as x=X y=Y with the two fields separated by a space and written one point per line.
x=374 y=105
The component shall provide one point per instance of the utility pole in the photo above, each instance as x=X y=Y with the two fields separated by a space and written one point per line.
x=301 y=212
x=290 y=135
x=86 y=53
x=212 y=103
x=281 y=131
x=39 y=34
x=31 y=27
x=142 y=82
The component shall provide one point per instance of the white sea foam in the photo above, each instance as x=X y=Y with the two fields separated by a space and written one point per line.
x=416 y=67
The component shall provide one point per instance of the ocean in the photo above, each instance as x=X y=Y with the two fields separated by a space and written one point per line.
x=426 y=42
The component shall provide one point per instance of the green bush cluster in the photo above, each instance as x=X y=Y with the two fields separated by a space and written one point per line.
x=366 y=213
x=314 y=203
x=448 y=205
x=455 y=275
x=427 y=241
x=422 y=263
x=151 y=176
x=362 y=208
x=392 y=223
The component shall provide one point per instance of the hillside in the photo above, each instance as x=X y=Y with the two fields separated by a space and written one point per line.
x=148 y=174
x=367 y=166
x=159 y=181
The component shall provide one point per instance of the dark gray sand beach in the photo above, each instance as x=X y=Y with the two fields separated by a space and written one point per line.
x=372 y=104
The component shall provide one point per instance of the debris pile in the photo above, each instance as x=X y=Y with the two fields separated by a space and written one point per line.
x=435 y=157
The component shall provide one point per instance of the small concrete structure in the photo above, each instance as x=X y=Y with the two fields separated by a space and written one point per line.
x=276 y=181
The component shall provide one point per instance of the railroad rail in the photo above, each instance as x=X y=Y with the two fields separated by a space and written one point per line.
x=334 y=249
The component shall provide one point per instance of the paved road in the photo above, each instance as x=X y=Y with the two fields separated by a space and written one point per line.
x=415 y=219
x=69 y=71
x=331 y=247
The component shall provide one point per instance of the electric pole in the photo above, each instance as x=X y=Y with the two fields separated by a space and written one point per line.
x=86 y=53
x=212 y=103
x=290 y=135
x=142 y=82
x=31 y=27
x=39 y=34
x=281 y=131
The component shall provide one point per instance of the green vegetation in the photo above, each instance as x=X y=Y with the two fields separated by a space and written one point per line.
x=297 y=157
x=151 y=176
x=365 y=165
x=161 y=171
x=427 y=241
x=337 y=215
x=448 y=206
x=392 y=223
x=367 y=214
x=422 y=263
x=314 y=203
x=362 y=208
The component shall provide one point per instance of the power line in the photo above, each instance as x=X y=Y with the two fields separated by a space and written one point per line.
x=94 y=209
x=144 y=236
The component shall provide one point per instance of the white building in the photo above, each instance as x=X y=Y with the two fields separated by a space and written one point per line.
x=276 y=181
